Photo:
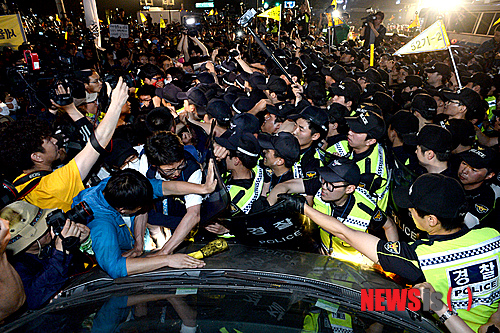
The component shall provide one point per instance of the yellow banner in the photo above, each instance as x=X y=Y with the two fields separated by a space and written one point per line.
x=334 y=3
x=11 y=31
x=496 y=22
x=415 y=23
x=337 y=21
x=273 y=13
x=162 y=23
x=143 y=18
x=434 y=38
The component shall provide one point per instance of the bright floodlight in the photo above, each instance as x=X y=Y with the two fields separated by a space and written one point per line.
x=239 y=33
x=190 y=21
x=336 y=13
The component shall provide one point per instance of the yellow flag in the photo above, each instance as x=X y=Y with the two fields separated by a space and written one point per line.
x=211 y=12
x=57 y=18
x=496 y=22
x=334 y=3
x=143 y=18
x=11 y=31
x=337 y=21
x=162 y=23
x=329 y=17
x=434 y=38
x=415 y=23
x=216 y=12
x=273 y=13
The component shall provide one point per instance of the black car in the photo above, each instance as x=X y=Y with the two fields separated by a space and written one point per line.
x=244 y=289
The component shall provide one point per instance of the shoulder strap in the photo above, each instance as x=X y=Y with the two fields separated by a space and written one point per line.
x=35 y=178
x=30 y=176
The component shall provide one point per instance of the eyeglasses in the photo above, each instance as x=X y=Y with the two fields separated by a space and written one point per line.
x=167 y=173
x=96 y=81
x=144 y=100
x=329 y=186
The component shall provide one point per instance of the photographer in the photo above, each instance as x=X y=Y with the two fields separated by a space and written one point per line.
x=43 y=260
x=29 y=150
x=373 y=31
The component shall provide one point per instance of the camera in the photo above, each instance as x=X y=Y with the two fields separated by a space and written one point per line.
x=79 y=214
x=370 y=17
x=247 y=17
x=192 y=25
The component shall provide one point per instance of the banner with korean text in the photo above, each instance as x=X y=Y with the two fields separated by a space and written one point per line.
x=434 y=38
x=11 y=31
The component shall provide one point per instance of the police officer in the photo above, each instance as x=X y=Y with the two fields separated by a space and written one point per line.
x=453 y=256
x=281 y=152
x=335 y=195
x=475 y=173
x=246 y=179
x=366 y=131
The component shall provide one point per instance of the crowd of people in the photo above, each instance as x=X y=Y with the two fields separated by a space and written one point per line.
x=352 y=146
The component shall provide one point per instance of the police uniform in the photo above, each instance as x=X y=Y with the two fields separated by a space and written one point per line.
x=465 y=259
x=340 y=147
x=374 y=161
x=319 y=320
x=351 y=215
x=309 y=162
x=481 y=207
x=244 y=195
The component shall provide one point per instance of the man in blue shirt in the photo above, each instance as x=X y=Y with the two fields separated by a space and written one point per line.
x=113 y=201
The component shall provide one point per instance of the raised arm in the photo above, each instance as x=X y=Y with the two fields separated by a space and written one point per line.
x=88 y=156
x=183 y=188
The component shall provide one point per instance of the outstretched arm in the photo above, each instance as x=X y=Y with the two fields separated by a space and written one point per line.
x=88 y=156
x=290 y=186
x=361 y=241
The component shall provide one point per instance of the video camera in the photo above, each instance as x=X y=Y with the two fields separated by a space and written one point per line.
x=79 y=214
x=370 y=17
x=192 y=25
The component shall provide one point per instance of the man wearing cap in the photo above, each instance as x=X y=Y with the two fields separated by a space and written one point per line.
x=434 y=145
x=424 y=107
x=281 y=152
x=465 y=104
x=477 y=169
x=336 y=139
x=275 y=117
x=335 y=195
x=346 y=93
x=195 y=101
x=453 y=257
x=276 y=92
x=366 y=130
x=437 y=76
x=39 y=256
x=245 y=182
x=401 y=124
x=312 y=128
